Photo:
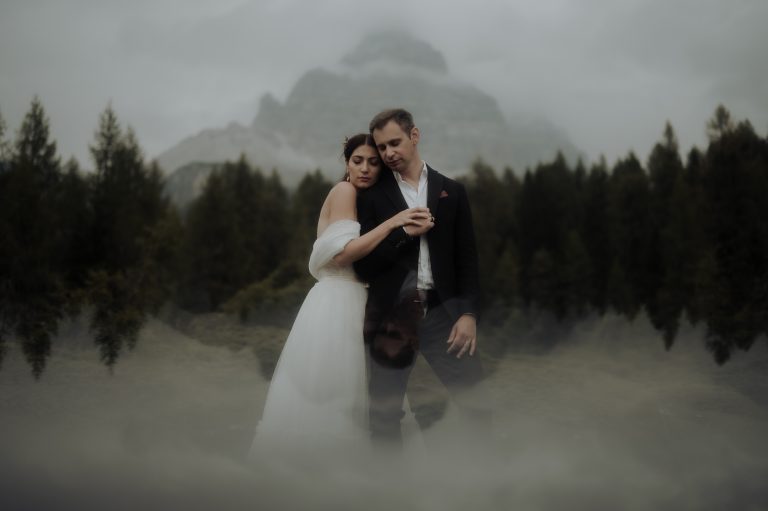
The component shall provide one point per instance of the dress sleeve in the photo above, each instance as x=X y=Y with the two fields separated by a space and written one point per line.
x=331 y=242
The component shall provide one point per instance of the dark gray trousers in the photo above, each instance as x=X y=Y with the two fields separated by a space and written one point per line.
x=387 y=385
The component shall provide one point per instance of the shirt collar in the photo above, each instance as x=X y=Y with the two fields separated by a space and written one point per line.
x=422 y=176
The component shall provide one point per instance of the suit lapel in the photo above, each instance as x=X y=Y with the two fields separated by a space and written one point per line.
x=434 y=187
x=391 y=190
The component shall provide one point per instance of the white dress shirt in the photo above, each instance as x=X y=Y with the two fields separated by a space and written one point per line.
x=415 y=198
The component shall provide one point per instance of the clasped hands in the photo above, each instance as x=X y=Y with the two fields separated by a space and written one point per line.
x=415 y=221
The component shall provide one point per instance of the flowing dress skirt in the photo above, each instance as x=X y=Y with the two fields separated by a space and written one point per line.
x=317 y=401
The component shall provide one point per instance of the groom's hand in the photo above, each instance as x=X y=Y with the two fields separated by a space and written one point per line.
x=418 y=227
x=463 y=336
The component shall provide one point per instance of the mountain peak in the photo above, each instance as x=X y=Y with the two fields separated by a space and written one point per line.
x=385 y=69
x=395 y=47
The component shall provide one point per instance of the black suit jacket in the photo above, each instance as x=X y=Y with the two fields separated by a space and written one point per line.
x=452 y=249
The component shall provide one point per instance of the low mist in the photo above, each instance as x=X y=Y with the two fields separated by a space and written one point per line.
x=604 y=418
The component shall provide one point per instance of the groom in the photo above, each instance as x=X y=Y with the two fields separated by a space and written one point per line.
x=423 y=281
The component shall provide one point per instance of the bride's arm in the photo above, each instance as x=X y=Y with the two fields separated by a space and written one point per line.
x=342 y=202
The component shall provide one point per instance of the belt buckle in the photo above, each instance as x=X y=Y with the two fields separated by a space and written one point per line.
x=423 y=299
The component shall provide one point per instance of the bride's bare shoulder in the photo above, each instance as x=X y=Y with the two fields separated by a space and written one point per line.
x=342 y=202
x=343 y=189
x=341 y=195
x=339 y=204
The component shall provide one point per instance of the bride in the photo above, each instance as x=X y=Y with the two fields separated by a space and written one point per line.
x=318 y=399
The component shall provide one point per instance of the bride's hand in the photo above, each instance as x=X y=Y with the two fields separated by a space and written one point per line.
x=412 y=216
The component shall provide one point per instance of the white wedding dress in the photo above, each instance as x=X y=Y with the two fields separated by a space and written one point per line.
x=317 y=401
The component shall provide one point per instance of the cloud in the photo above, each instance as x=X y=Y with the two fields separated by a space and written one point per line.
x=610 y=74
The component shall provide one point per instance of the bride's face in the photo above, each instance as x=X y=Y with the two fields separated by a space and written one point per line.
x=364 y=166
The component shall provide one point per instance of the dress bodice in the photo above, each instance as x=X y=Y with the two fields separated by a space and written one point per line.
x=334 y=271
x=332 y=241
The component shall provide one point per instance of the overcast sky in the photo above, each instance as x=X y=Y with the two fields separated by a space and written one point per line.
x=609 y=73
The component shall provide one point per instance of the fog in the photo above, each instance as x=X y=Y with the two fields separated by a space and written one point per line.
x=609 y=74
x=598 y=416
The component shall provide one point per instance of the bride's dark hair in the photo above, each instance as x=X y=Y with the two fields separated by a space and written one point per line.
x=355 y=141
x=352 y=143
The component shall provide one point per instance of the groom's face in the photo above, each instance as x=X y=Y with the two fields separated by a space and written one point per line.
x=396 y=147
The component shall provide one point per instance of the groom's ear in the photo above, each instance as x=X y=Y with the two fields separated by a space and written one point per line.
x=415 y=135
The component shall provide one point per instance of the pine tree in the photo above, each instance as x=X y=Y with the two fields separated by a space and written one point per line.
x=551 y=206
x=544 y=282
x=127 y=195
x=493 y=208
x=668 y=233
x=5 y=239
x=720 y=124
x=31 y=288
x=5 y=146
x=575 y=277
x=5 y=235
x=128 y=205
x=212 y=248
x=696 y=210
x=507 y=274
x=232 y=231
x=305 y=205
x=596 y=233
x=76 y=218
x=736 y=184
x=506 y=277
x=629 y=202
x=276 y=230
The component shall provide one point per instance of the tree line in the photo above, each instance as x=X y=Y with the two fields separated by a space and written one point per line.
x=676 y=239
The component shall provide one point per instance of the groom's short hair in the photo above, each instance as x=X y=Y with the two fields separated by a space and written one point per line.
x=402 y=117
